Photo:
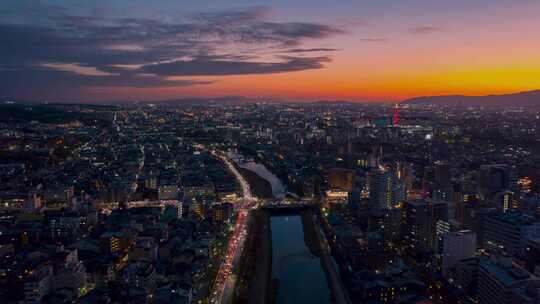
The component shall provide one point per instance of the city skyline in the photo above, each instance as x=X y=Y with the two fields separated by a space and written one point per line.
x=352 y=50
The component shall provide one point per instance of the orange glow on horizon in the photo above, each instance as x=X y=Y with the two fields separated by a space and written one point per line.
x=332 y=85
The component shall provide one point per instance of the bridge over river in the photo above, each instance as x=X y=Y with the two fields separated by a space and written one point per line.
x=280 y=254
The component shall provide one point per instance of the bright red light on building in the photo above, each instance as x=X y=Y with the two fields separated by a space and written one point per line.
x=395 y=118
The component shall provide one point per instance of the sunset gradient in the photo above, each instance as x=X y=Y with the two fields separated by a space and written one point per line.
x=367 y=50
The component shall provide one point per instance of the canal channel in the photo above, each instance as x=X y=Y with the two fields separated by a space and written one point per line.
x=297 y=273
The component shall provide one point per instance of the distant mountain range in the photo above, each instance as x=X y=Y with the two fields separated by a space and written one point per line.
x=239 y=100
x=529 y=98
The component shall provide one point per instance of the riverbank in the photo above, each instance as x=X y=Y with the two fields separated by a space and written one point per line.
x=300 y=268
x=279 y=190
x=334 y=281
x=259 y=280
x=296 y=268
x=255 y=277
x=260 y=187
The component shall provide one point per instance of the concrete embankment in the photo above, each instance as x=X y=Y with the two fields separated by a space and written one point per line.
x=260 y=288
x=256 y=270
x=261 y=187
x=256 y=278
x=334 y=281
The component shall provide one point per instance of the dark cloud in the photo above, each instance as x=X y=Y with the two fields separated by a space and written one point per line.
x=233 y=17
x=218 y=67
x=225 y=42
x=424 y=29
x=312 y=50
x=288 y=34
x=43 y=79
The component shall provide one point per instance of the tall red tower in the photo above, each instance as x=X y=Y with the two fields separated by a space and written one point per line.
x=395 y=118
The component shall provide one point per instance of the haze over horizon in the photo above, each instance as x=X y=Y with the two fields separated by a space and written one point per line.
x=304 y=50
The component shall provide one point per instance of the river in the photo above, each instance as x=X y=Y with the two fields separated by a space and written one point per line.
x=300 y=276
x=278 y=189
x=299 y=273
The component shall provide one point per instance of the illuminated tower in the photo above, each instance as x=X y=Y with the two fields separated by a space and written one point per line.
x=395 y=118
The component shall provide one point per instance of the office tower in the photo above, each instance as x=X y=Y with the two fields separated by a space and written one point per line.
x=428 y=180
x=419 y=223
x=380 y=187
x=385 y=190
x=503 y=201
x=442 y=186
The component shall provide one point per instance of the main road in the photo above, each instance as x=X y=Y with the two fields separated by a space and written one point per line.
x=222 y=292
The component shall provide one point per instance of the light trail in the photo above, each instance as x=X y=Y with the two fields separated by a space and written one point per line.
x=246 y=189
x=221 y=294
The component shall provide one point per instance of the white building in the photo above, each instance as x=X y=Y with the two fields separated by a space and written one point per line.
x=457 y=246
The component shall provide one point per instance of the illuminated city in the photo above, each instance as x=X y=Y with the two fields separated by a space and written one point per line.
x=269 y=152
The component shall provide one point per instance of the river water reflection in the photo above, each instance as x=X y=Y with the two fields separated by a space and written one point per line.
x=278 y=189
x=299 y=273
x=300 y=276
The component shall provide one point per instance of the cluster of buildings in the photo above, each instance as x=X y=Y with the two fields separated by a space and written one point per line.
x=426 y=204
x=130 y=212
x=421 y=205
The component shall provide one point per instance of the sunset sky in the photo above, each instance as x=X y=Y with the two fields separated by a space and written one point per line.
x=378 y=50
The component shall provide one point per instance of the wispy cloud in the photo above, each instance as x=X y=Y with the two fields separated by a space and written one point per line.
x=312 y=50
x=424 y=29
x=214 y=66
x=70 y=50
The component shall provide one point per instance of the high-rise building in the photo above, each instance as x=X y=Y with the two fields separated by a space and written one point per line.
x=442 y=186
x=464 y=204
x=385 y=189
x=509 y=232
x=442 y=227
x=503 y=201
x=419 y=223
x=428 y=180
x=405 y=174
x=457 y=246
x=500 y=281
x=497 y=178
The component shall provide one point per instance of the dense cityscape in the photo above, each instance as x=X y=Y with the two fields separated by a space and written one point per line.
x=154 y=203
x=269 y=152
